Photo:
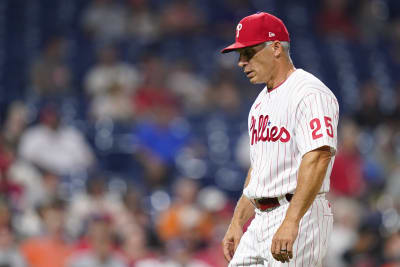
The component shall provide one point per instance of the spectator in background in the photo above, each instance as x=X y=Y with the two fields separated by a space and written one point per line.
x=50 y=75
x=104 y=20
x=161 y=131
x=225 y=99
x=50 y=145
x=220 y=209
x=9 y=252
x=160 y=127
x=156 y=173
x=133 y=204
x=110 y=84
x=190 y=89
x=185 y=221
x=135 y=246
x=108 y=71
x=369 y=114
x=159 y=141
x=180 y=17
x=334 y=20
x=100 y=252
x=163 y=136
x=347 y=176
x=39 y=187
x=50 y=249
x=17 y=171
x=115 y=105
x=96 y=199
x=15 y=123
x=135 y=217
x=10 y=190
x=152 y=93
x=143 y=23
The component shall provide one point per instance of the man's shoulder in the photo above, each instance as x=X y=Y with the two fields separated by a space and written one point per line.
x=306 y=79
x=306 y=83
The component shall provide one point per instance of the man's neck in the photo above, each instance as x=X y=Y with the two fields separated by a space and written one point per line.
x=281 y=76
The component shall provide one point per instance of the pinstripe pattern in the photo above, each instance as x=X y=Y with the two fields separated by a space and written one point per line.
x=302 y=105
x=309 y=248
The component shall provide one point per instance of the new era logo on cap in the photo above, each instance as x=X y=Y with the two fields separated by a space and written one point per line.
x=256 y=29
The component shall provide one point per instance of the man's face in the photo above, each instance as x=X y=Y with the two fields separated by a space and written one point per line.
x=257 y=62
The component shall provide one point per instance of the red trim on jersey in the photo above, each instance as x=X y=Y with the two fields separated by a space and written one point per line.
x=270 y=90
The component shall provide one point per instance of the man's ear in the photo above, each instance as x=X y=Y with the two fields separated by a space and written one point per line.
x=278 y=49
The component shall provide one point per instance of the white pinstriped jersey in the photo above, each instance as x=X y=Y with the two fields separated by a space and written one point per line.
x=298 y=116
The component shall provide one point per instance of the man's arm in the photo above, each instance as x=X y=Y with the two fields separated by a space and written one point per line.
x=312 y=172
x=243 y=212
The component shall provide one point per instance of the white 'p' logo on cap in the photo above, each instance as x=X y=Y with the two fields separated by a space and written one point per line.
x=238 y=28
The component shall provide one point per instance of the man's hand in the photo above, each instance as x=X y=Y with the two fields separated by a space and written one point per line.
x=231 y=240
x=283 y=240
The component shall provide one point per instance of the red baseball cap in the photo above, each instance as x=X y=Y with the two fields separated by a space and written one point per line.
x=256 y=29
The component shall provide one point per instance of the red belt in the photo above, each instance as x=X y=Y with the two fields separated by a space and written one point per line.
x=264 y=204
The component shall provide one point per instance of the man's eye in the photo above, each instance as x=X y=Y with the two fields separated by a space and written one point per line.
x=249 y=54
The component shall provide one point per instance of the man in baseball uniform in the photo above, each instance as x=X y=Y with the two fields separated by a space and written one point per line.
x=292 y=128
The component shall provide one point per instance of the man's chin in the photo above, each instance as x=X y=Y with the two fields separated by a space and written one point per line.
x=253 y=80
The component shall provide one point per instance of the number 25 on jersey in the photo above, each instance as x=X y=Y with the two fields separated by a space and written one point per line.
x=315 y=125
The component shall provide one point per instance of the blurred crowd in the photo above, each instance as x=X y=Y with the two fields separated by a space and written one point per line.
x=126 y=142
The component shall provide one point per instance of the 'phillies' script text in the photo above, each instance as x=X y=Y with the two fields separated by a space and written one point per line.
x=265 y=133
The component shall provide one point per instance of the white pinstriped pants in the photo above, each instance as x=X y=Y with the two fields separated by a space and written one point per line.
x=309 y=248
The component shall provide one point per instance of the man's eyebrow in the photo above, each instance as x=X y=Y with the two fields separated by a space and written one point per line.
x=246 y=49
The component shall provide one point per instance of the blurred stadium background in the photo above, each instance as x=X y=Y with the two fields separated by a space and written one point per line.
x=123 y=130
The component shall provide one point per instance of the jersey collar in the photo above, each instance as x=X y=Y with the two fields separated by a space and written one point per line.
x=272 y=89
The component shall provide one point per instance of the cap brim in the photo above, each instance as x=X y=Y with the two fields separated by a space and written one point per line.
x=237 y=45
